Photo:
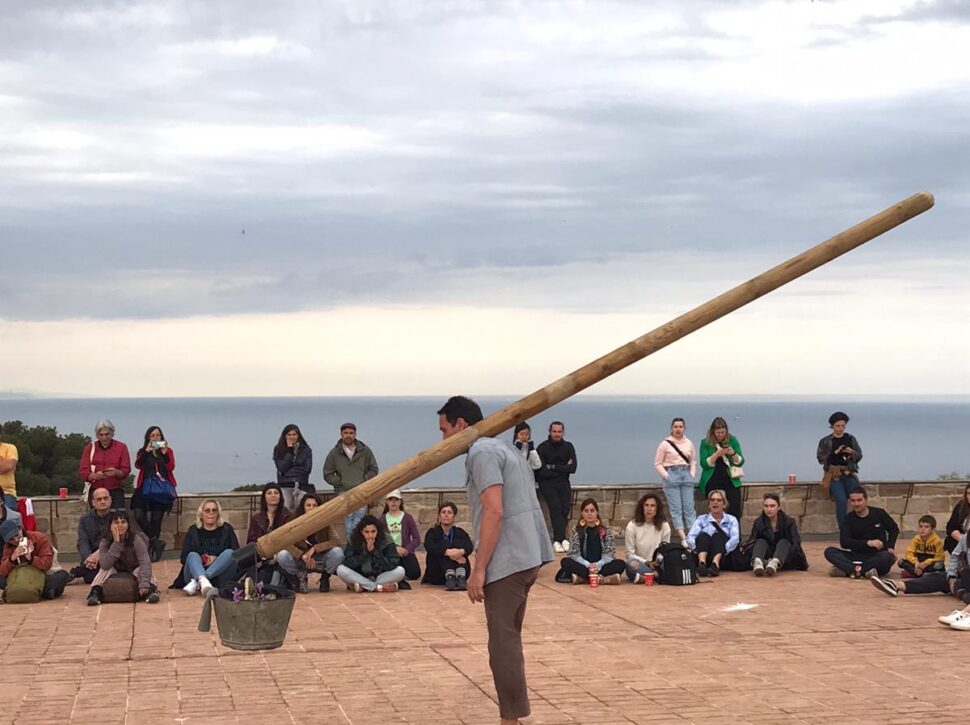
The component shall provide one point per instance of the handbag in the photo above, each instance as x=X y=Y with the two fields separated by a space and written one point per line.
x=157 y=490
x=735 y=471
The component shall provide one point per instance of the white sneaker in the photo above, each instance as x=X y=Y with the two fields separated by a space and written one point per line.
x=557 y=547
x=204 y=585
x=192 y=588
x=950 y=618
x=565 y=544
x=962 y=623
x=758 y=567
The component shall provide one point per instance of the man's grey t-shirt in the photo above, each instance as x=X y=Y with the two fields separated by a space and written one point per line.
x=524 y=540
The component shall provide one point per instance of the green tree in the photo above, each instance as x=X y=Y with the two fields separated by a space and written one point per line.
x=953 y=476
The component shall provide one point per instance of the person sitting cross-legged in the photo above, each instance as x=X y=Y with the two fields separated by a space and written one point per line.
x=371 y=562
x=645 y=532
x=867 y=536
x=592 y=550
x=121 y=551
x=925 y=552
x=955 y=580
x=90 y=528
x=317 y=553
x=714 y=535
x=449 y=548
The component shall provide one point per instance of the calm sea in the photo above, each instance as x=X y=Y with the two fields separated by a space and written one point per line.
x=221 y=443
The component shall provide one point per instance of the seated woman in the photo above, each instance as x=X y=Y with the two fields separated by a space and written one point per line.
x=33 y=550
x=448 y=548
x=403 y=530
x=592 y=550
x=121 y=551
x=956 y=527
x=155 y=459
x=370 y=559
x=271 y=515
x=317 y=553
x=776 y=543
x=646 y=531
x=207 y=551
x=713 y=535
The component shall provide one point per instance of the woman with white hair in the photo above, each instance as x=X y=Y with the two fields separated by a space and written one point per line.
x=207 y=551
x=105 y=461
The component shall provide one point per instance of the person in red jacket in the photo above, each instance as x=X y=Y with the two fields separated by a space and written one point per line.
x=154 y=459
x=30 y=548
x=107 y=461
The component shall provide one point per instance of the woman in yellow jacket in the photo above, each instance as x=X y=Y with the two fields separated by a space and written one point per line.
x=719 y=453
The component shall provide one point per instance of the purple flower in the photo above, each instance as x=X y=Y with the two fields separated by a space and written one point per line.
x=237 y=594
x=259 y=589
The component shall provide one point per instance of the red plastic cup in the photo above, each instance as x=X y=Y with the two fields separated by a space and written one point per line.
x=792 y=478
x=594 y=580
x=648 y=579
x=63 y=493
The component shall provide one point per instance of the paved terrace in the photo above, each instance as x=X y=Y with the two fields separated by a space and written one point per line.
x=626 y=654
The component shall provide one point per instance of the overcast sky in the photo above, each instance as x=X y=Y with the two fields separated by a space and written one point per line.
x=250 y=198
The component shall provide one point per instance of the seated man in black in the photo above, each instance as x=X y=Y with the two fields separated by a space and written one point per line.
x=90 y=529
x=868 y=536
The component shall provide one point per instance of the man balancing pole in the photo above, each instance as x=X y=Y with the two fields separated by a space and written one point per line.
x=511 y=545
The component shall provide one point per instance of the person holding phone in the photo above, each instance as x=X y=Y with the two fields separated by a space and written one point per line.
x=106 y=461
x=154 y=458
x=839 y=454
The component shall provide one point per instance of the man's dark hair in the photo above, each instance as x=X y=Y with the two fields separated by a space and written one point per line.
x=559 y=423
x=837 y=416
x=927 y=519
x=858 y=489
x=458 y=406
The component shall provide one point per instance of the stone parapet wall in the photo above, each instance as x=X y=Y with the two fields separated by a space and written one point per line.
x=815 y=512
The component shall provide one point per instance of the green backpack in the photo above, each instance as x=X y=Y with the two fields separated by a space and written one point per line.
x=24 y=585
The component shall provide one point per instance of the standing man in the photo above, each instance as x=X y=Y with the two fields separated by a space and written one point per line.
x=349 y=463
x=512 y=544
x=558 y=458
x=105 y=462
x=8 y=465
x=90 y=528
x=868 y=537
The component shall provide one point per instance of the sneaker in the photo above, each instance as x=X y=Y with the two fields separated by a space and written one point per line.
x=758 y=568
x=460 y=584
x=885 y=585
x=961 y=623
x=638 y=578
x=701 y=569
x=324 y=582
x=404 y=586
x=950 y=618
x=389 y=587
x=836 y=572
x=358 y=588
x=94 y=598
x=870 y=574
x=773 y=566
x=557 y=547
x=153 y=597
x=577 y=579
x=192 y=588
x=713 y=570
x=565 y=545
x=611 y=579
x=451 y=583
x=204 y=585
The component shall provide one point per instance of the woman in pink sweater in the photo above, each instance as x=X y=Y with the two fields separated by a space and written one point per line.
x=676 y=462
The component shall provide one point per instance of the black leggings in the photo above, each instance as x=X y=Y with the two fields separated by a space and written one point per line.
x=762 y=550
x=711 y=545
x=150 y=522
x=571 y=566
x=936 y=582
x=412 y=570
x=559 y=498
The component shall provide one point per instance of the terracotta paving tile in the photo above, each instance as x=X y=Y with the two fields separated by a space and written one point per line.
x=609 y=655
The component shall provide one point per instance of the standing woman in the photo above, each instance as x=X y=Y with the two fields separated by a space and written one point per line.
x=522 y=438
x=676 y=462
x=121 y=551
x=777 y=543
x=956 y=527
x=154 y=459
x=839 y=454
x=592 y=550
x=294 y=462
x=403 y=530
x=645 y=532
x=714 y=535
x=720 y=452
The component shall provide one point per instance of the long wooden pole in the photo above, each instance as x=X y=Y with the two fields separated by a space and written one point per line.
x=599 y=369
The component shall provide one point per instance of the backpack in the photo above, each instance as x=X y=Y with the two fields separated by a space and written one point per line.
x=25 y=584
x=675 y=565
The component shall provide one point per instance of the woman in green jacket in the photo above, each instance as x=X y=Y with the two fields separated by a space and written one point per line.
x=719 y=453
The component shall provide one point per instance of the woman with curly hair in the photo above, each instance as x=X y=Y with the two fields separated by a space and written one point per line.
x=371 y=563
x=645 y=532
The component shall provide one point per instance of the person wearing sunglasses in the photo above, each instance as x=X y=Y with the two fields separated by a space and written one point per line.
x=207 y=551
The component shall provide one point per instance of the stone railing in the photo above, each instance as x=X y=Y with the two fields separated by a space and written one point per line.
x=815 y=513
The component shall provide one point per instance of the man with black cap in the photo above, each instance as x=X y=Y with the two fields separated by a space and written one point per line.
x=29 y=548
x=349 y=463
